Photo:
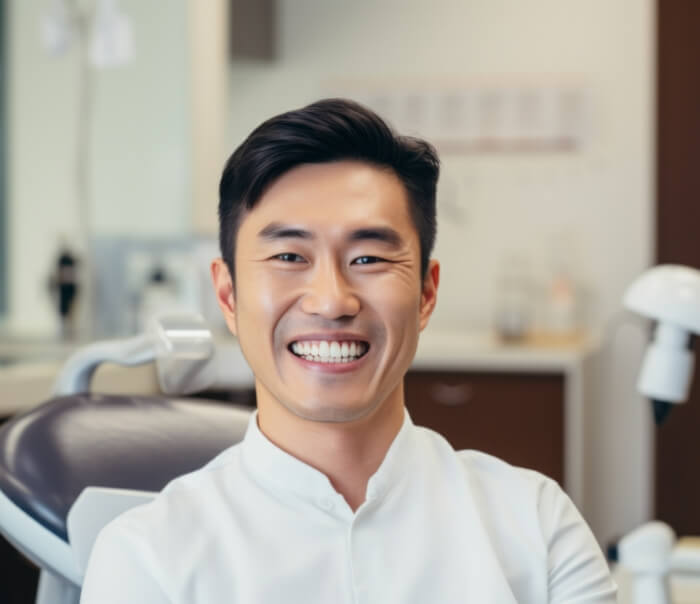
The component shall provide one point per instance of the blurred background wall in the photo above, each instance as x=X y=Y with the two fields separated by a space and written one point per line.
x=589 y=210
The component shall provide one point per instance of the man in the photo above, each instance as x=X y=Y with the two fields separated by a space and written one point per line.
x=327 y=222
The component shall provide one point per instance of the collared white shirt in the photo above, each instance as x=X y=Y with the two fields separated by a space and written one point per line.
x=258 y=526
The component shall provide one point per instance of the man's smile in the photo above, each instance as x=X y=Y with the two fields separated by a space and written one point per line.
x=334 y=353
x=329 y=351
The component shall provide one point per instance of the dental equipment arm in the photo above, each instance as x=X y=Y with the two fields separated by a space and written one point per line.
x=180 y=344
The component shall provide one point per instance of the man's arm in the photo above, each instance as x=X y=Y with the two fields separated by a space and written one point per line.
x=120 y=571
x=577 y=570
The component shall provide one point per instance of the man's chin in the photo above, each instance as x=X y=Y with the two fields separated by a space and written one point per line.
x=332 y=414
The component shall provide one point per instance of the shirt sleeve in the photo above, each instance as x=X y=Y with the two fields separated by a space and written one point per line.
x=577 y=570
x=119 y=570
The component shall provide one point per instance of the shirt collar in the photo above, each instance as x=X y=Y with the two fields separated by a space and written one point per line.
x=280 y=470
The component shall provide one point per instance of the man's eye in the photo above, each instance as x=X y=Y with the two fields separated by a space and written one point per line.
x=367 y=260
x=289 y=257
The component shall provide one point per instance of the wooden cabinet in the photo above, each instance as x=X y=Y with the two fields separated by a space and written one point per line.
x=518 y=417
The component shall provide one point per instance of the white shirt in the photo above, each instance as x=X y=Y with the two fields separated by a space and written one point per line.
x=258 y=526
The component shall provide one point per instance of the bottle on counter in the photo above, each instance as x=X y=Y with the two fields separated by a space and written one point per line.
x=159 y=293
x=562 y=305
x=514 y=299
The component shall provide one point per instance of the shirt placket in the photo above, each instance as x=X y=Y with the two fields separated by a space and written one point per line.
x=359 y=548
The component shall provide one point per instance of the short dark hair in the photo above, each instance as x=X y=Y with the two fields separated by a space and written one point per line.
x=326 y=131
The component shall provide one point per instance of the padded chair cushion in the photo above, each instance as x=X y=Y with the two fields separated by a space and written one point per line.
x=50 y=454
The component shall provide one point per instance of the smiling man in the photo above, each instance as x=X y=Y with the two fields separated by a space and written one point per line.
x=327 y=223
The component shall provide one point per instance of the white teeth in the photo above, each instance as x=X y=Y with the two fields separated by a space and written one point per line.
x=329 y=351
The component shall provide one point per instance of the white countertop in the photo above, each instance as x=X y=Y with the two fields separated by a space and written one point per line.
x=19 y=348
x=484 y=351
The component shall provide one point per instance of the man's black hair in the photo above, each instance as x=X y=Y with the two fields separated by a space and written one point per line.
x=326 y=131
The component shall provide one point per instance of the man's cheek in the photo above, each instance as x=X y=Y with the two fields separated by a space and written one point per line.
x=271 y=292
x=403 y=303
x=405 y=322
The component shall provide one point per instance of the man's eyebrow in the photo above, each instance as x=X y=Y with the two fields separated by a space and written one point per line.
x=275 y=230
x=383 y=234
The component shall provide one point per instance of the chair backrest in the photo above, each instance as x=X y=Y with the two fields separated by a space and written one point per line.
x=49 y=455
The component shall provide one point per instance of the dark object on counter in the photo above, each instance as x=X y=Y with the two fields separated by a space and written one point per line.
x=64 y=287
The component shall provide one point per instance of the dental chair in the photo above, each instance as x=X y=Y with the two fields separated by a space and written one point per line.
x=72 y=464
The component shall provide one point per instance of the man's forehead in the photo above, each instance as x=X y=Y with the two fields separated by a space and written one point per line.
x=351 y=172
x=345 y=195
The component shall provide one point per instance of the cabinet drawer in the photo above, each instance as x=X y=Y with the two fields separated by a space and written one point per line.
x=517 y=417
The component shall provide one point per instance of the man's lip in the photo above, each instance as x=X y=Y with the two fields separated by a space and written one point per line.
x=332 y=368
x=330 y=337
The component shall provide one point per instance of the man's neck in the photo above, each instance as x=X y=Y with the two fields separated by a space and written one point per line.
x=348 y=453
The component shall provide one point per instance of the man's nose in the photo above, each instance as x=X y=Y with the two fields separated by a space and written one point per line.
x=330 y=295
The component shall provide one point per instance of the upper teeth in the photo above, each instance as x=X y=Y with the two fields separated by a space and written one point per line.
x=325 y=349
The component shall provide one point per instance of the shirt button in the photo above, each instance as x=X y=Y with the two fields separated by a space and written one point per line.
x=325 y=504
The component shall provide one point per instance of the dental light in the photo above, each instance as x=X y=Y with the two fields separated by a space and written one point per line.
x=669 y=295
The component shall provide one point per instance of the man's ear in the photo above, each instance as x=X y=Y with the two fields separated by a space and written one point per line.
x=223 y=287
x=428 y=297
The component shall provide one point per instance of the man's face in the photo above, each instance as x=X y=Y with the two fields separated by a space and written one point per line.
x=329 y=301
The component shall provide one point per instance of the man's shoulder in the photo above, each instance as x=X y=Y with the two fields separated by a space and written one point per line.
x=492 y=482
x=499 y=480
x=488 y=470
x=498 y=471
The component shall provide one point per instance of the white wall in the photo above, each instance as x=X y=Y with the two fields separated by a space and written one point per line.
x=140 y=170
x=599 y=199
